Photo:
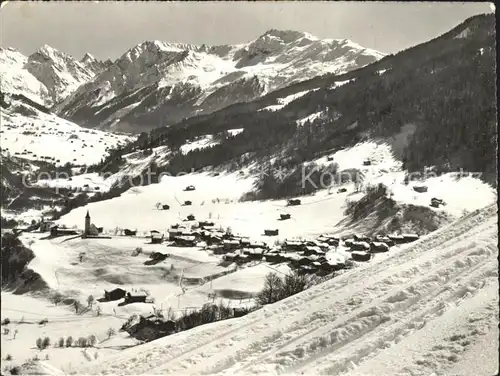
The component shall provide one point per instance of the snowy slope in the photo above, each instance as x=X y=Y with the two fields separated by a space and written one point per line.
x=47 y=76
x=178 y=80
x=31 y=134
x=431 y=303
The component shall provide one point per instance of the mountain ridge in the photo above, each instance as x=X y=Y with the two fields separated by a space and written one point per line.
x=185 y=79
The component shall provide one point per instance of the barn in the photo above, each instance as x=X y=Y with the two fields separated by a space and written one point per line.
x=115 y=294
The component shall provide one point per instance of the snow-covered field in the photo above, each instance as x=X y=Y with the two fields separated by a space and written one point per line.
x=426 y=309
x=353 y=324
x=40 y=136
x=217 y=198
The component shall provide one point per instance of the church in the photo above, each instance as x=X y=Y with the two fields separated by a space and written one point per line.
x=90 y=229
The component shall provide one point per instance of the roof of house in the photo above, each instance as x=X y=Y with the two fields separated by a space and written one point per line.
x=138 y=293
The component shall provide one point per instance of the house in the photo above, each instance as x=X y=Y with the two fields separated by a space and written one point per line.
x=185 y=240
x=341 y=190
x=156 y=238
x=58 y=231
x=420 y=188
x=410 y=237
x=189 y=188
x=284 y=217
x=136 y=297
x=45 y=226
x=361 y=238
x=367 y=162
x=115 y=294
x=187 y=203
x=230 y=256
x=293 y=246
x=230 y=244
x=190 y=217
x=360 y=246
x=271 y=232
x=312 y=251
x=128 y=232
x=361 y=256
x=165 y=207
x=397 y=239
x=293 y=202
x=436 y=202
x=378 y=247
x=205 y=224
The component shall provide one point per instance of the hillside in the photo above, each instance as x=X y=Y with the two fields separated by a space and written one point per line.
x=156 y=83
x=434 y=103
x=428 y=309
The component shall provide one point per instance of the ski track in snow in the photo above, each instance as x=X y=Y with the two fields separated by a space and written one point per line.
x=346 y=322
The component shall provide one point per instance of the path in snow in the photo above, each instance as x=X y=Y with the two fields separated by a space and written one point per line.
x=351 y=320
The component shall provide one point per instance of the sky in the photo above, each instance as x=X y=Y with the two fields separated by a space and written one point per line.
x=109 y=29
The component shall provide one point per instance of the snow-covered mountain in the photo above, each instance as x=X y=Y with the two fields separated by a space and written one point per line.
x=47 y=76
x=157 y=83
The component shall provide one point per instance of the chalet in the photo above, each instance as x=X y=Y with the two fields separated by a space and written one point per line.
x=361 y=238
x=185 y=241
x=256 y=244
x=271 y=232
x=293 y=246
x=341 y=190
x=205 y=224
x=305 y=261
x=157 y=238
x=128 y=232
x=165 y=207
x=230 y=244
x=58 y=231
x=361 y=256
x=410 y=237
x=230 y=256
x=45 y=226
x=293 y=202
x=242 y=258
x=378 y=247
x=384 y=239
x=293 y=258
x=367 y=162
x=313 y=251
x=436 y=202
x=245 y=241
x=115 y=294
x=136 y=297
x=189 y=188
x=420 y=188
x=330 y=240
x=360 y=246
x=397 y=239
x=255 y=253
x=190 y=217
x=187 y=203
x=274 y=256
x=284 y=217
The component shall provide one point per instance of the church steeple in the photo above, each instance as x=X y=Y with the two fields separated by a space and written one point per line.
x=86 y=231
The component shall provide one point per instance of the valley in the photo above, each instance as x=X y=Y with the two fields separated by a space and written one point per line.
x=289 y=205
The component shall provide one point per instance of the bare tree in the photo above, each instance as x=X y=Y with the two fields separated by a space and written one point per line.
x=111 y=332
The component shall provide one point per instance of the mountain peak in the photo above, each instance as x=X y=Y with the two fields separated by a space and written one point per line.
x=287 y=36
x=88 y=58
